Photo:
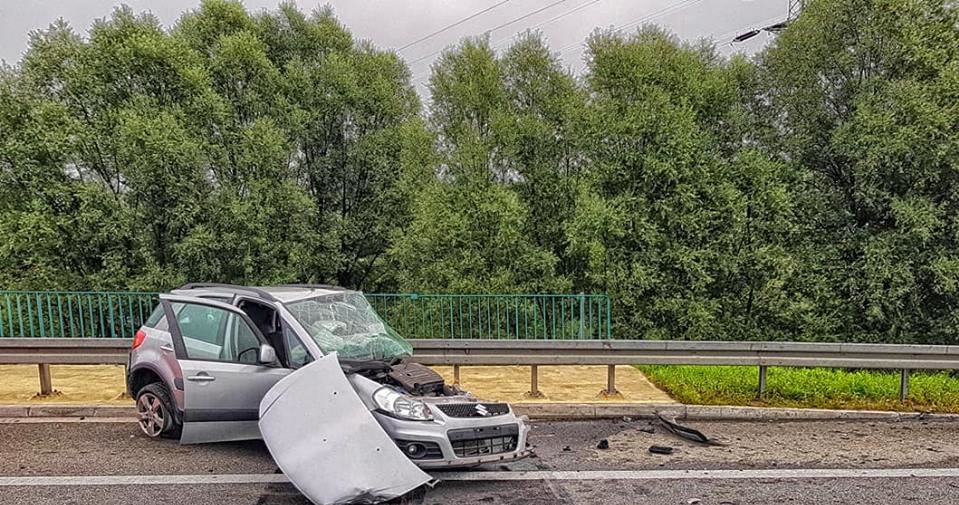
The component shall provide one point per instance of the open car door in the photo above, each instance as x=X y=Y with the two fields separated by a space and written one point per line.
x=326 y=441
x=217 y=348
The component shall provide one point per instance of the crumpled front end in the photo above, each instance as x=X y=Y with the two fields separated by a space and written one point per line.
x=463 y=433
x=326 y=441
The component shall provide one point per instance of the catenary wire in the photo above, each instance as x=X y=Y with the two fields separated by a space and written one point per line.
x=452 y=25
x=491 y=30
x=669 y=9
x=500 y=42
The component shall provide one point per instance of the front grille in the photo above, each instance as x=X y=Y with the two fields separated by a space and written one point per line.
x=432 y=449
x=468 y=442
x=484 y=446
x=473 y=409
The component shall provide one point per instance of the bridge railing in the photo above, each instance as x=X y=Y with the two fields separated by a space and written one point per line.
x=496 y=316
x=118 y=314
x=74 y=314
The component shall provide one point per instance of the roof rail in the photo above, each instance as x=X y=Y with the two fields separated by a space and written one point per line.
x=201 y=285
x=313 y=286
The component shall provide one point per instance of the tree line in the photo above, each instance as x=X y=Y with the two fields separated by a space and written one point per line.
x=810 y=192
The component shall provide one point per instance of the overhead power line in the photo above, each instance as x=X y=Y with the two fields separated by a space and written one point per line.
x=447 y=27
x=491 y=30
x=662 y=12
x=525 y=16
x=551 y=20
x=791 y=13
x=724 y=36
x=669 y=9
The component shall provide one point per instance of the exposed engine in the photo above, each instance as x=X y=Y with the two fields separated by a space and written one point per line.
x=413 y=378
x=419 y=380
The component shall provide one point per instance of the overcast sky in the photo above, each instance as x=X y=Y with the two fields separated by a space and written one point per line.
x=396 y=23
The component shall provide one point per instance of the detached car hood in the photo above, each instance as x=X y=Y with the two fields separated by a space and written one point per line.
x=326 y=441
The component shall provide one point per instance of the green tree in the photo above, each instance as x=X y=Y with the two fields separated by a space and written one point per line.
x=239 y=148
x=471 y=229
x=865 y=102
x=685 y=228
x=540 y=137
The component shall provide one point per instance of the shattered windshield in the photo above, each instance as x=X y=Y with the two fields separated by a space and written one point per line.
x=345 y=323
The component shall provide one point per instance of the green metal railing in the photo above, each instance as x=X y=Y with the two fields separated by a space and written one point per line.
x=118 y=314
x=83 y=314
x=489 y=316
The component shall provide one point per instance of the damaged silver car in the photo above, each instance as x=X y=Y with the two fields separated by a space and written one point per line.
x=218 y=362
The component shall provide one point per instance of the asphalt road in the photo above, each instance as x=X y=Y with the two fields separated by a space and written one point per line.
x=110 y=449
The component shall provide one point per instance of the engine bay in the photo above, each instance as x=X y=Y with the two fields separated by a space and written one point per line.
x=413 y=378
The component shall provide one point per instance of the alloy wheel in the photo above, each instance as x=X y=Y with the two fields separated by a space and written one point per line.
x=150 y=414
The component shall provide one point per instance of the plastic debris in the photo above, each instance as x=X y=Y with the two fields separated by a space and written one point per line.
x=660 y=449
x=685 y=431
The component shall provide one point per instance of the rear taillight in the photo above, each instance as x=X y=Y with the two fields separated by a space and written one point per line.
x=139 y=338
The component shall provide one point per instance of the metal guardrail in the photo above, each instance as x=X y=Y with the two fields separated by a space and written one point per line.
x=118 y=314
x=610 y=353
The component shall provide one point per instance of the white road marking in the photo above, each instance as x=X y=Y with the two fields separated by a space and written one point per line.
x=803 y=473
x=599 y=475
x=141 y=480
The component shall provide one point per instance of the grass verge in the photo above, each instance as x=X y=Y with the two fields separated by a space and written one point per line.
x=806 y=387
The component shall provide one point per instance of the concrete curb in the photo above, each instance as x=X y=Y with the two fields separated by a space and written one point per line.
x=563 y=411
x=61 y=411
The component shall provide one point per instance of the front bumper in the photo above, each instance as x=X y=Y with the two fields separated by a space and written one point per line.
x=440 y=431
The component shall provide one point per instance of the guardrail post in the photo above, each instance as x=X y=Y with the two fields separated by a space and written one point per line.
x=762 y=381
x=610 y=382
x=534 y=391
x=904 y=385
x=46 y=383
x=456 y=374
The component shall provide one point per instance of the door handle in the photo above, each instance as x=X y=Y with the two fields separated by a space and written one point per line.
x=201 y=377
x=166 y=348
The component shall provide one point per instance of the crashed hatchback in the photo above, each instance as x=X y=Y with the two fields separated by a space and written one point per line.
x=310 y=369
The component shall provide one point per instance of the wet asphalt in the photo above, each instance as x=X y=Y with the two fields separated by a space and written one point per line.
x=118 y=449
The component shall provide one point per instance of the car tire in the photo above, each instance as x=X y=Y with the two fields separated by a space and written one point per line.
x=156 y=414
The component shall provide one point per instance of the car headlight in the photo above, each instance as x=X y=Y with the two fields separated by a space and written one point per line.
x=395 y=403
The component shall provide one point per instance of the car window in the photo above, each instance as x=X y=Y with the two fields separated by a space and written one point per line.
x=297 y=353
x=202 y=322
x=155 y=317
x=212 y=333
x=242 y=346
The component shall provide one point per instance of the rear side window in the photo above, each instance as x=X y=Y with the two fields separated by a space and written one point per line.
x=157 y=319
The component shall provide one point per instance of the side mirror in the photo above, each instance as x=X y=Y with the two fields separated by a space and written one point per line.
x=267 y=355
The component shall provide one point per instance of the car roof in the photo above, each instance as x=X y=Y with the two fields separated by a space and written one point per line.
x=283 y=293
x=293 y=293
